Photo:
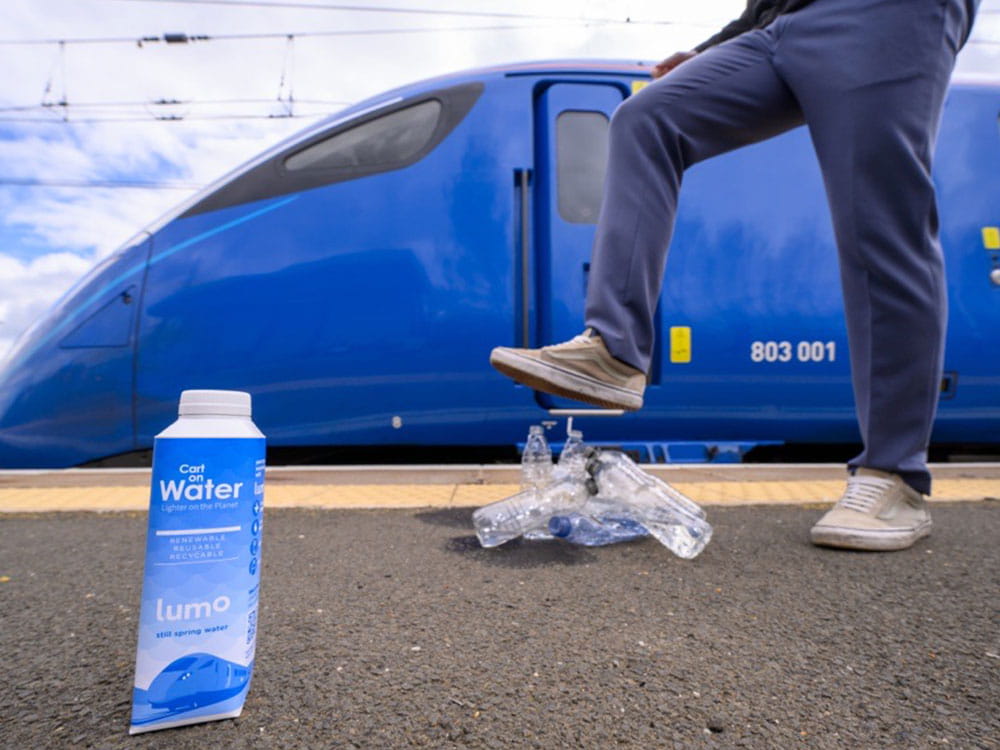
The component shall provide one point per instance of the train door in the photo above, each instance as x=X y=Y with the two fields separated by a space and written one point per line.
x=571 y=142
x=99 y=345
x=967 y=175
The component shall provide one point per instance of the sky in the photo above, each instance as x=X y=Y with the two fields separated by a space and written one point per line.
x=100 y=134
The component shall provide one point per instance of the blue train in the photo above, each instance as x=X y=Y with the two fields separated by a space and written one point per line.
x=196 y=680
x=355 y=277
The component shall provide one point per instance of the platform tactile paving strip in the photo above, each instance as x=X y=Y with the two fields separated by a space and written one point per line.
x=278 y=495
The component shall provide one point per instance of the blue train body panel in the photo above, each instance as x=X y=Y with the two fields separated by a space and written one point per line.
x=354 y=278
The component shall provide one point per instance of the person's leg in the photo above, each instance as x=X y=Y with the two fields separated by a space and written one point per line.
x=871 y=76
x=724 y=98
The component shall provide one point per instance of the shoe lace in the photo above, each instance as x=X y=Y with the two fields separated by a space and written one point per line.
x=863 y=493
x=582 y=338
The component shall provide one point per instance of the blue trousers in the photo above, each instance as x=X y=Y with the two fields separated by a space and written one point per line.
x=868 y=78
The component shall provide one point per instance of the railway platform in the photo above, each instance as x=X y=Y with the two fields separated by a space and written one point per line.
x=463 y=486
x=384 y=624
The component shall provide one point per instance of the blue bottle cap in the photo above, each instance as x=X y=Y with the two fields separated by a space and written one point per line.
x=560 y=526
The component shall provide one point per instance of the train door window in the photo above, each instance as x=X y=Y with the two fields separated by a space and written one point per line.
x=388 y=140
x=581 y=161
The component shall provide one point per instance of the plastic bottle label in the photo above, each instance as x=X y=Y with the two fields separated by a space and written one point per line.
x=198 y=619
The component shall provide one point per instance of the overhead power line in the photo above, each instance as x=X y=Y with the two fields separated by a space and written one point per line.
x=178 y=38
x=406 y=11
x=137 y=184
x=182 y=38
x=164 y=110
x=160 y=118
x=164 y=103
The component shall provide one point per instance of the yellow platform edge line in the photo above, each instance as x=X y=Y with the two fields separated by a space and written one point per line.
x=402 y=496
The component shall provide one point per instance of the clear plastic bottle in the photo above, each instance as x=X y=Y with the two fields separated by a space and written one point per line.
x=529 y=510
x=606 y=521
x=572 y=458
x=675 y=520
x=632 y=469
x=581 y=529
x=536 y=461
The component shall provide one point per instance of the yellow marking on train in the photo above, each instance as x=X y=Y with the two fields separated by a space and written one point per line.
x=638 y=86
x=402 y=496
x=991 y=238
x=680 y=344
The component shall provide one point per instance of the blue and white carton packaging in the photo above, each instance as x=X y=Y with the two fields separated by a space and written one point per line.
x=201 y=587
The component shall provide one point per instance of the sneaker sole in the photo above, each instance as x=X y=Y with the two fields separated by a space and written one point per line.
x=560 y=382
x=871 y=541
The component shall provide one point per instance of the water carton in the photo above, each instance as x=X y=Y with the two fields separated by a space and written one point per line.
x=201 y=587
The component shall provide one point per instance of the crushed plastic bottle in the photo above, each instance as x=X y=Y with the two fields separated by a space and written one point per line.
x=675 y=520
x=572 y=463
x=601 y=521
x=537 y=470
x=596 y=532
x=529 y=510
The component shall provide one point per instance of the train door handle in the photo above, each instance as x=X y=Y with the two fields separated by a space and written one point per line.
x=949 y=384
x=522 y=180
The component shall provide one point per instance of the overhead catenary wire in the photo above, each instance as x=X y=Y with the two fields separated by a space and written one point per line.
x=166 y=103
x=177 y=38
x=160 y=118
x=341 y=7
x=135 y=184
x=182 y=38
x=380 y=9
x=285 y=95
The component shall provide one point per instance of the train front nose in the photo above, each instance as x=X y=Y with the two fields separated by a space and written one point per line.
x=66 y=389
x=25 y=440
x=63 y=406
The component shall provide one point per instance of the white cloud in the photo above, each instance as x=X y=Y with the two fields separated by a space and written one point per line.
x=27 y=289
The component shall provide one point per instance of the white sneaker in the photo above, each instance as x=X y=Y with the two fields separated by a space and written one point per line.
x=878 y=512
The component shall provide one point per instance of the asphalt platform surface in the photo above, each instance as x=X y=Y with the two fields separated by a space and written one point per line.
x=384 y=629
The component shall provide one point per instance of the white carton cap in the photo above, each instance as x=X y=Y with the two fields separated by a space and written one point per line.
x=215 y=403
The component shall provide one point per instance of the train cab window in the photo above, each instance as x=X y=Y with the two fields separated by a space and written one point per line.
x=378 y=141
x=385 y=141
x=581 y=161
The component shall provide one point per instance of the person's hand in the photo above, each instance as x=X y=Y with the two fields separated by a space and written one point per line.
x=662 y=68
